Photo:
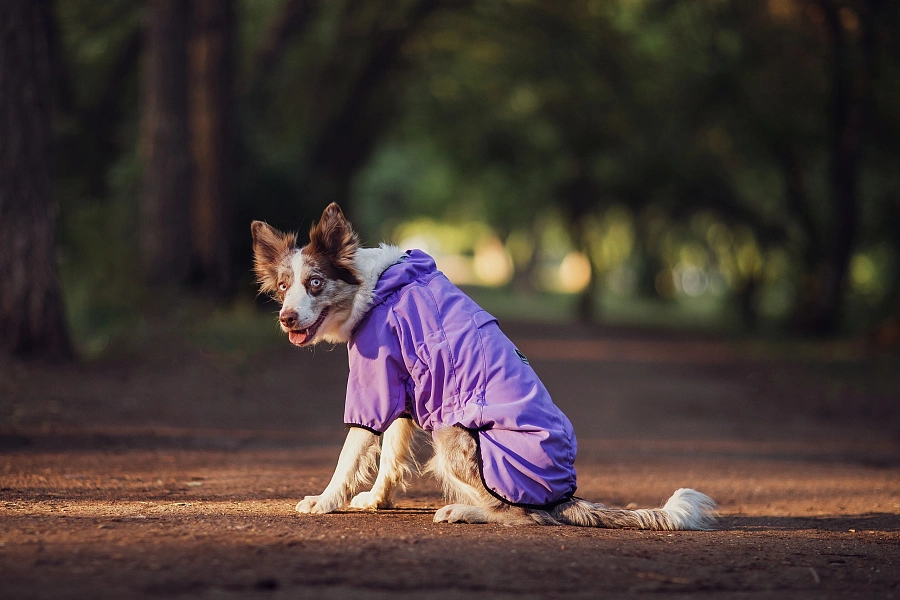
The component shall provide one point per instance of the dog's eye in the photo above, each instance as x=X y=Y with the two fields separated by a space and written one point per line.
x=315 y=282
x=282 y=287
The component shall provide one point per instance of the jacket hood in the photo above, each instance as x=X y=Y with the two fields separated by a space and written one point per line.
x=415 y=265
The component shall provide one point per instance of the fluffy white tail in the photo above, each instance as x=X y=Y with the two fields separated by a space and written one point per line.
x=686 y=509
x=690 y=509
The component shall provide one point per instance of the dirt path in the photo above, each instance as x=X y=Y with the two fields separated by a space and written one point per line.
x=175 y=473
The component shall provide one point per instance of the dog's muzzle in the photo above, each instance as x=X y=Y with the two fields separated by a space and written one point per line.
x=301 y=336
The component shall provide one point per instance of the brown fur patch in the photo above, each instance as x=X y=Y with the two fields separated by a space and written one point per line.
x=272 y=250
x=332 y=246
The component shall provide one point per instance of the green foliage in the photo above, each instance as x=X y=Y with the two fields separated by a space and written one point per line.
x=671 y=110
x=660 y=139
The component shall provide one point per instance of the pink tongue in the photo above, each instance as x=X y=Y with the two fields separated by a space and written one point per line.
x=297 y=337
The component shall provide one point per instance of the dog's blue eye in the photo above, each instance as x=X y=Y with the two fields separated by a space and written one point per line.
x=315 y=282
x=282 y=287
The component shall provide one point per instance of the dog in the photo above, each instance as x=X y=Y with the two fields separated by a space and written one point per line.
x=424 y=356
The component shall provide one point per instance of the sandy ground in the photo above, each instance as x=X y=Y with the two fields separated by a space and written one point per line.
x=174 y=472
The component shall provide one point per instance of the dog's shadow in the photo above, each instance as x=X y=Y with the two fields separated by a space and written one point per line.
x=397 y=510
x=861 y=523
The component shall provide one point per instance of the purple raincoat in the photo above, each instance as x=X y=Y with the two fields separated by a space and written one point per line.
x=427 y=351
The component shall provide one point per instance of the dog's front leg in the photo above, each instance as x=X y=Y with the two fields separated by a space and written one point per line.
x=354 y=469
x=397 y=461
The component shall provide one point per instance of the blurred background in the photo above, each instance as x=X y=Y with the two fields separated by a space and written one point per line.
x=715 y=165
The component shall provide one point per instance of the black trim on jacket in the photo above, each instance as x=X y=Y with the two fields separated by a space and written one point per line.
x=369 y=429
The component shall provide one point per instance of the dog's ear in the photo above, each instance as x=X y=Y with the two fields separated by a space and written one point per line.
x=270 y=248
x=333 y=238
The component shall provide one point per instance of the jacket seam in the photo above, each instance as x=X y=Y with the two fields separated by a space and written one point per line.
x=484 y=374
x=446 y=339
x=401 y=382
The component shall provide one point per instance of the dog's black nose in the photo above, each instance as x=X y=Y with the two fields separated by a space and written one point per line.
x=288 y=319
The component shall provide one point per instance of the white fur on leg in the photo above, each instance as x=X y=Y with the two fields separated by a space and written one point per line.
x=395 y=466
x=455 y=465
x=354 y=469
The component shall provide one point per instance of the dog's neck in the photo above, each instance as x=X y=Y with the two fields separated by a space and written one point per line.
x=370 y=263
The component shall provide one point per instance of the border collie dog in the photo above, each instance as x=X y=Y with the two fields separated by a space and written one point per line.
x=423 y=355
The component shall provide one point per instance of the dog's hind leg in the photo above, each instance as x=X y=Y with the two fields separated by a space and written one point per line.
x=455 y=465
x=396 y=464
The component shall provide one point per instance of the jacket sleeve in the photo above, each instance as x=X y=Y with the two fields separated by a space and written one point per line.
x=376 y=386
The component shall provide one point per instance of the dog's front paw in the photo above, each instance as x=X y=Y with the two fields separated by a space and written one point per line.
x=315 y=505
x=370 y=501
x=307 y=505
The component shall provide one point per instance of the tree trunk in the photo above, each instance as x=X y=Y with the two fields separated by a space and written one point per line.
x=165 y=206
x=586 y=306
x=578 y=195
x=101 y=118
x=886 y=333
x=32 y=319
x=852 y=103
x=211 y=92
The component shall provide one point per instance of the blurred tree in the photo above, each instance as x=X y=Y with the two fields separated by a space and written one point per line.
x=212 y=117
x=886 y=331
x=343 y=95
x=333 y=71
x=32 y=320
x=362 y=108
x=731 y=107
x=289 y=25
x=812 y=118
x=89 y=141
x=852 y=79
x=579 y=197
x=165 y=229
